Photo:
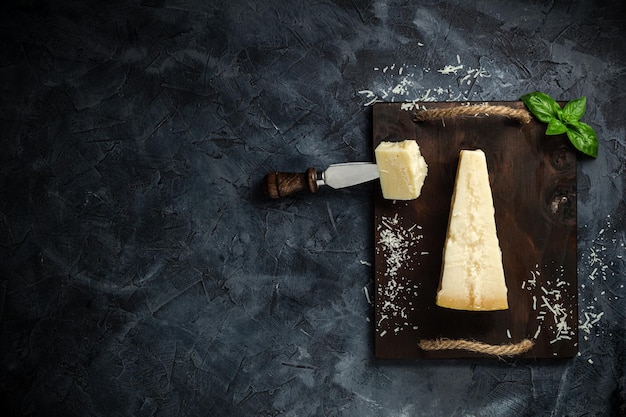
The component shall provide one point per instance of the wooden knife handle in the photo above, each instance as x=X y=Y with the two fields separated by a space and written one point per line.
x=282 y=184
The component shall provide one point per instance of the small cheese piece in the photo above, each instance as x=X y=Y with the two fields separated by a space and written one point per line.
x=472 y=276
x=402 y=169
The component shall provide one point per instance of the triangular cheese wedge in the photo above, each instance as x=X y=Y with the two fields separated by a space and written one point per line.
x=472 y=276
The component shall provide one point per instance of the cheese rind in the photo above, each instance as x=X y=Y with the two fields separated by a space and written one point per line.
x=472 y=276
x=402 y=169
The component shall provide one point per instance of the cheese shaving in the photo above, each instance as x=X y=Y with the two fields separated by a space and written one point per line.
x=549 y=298
x=403 y=83
x=399 y=249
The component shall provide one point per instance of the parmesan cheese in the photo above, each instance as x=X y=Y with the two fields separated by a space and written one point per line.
x=402 y=169
x=472 y=276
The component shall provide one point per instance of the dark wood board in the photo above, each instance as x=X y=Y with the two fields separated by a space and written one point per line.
x=533 y=180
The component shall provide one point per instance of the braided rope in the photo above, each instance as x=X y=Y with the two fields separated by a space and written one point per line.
x=479 y=347
x=521 y=115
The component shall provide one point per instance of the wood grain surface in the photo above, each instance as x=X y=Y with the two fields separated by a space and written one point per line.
x=533 y=180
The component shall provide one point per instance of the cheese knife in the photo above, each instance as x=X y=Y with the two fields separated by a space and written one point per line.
x=282 y=184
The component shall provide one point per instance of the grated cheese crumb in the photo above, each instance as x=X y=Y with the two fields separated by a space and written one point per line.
x=367 y=295
x=398 y=246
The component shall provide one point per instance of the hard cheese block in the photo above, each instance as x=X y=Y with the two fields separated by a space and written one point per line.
x=472 y=275
x=402 y=169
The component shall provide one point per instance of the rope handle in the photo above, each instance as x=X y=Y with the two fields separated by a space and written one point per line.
x=522 y=115
x=512 y=349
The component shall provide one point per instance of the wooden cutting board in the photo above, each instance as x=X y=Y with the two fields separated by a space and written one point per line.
x=533 y=180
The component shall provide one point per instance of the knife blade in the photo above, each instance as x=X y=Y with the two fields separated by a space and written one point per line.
x=282 y=184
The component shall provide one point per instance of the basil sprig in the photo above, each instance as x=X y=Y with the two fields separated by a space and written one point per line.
x=564 y=120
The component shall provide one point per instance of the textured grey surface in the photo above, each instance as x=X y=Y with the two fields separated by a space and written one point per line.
x=143 y=273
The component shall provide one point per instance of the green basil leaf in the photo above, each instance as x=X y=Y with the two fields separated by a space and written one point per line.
x=556 y=127
x=574 y=110
x=584 y=138
x=544 y=107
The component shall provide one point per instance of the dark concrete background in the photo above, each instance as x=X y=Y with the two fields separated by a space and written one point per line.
x=143 y=273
